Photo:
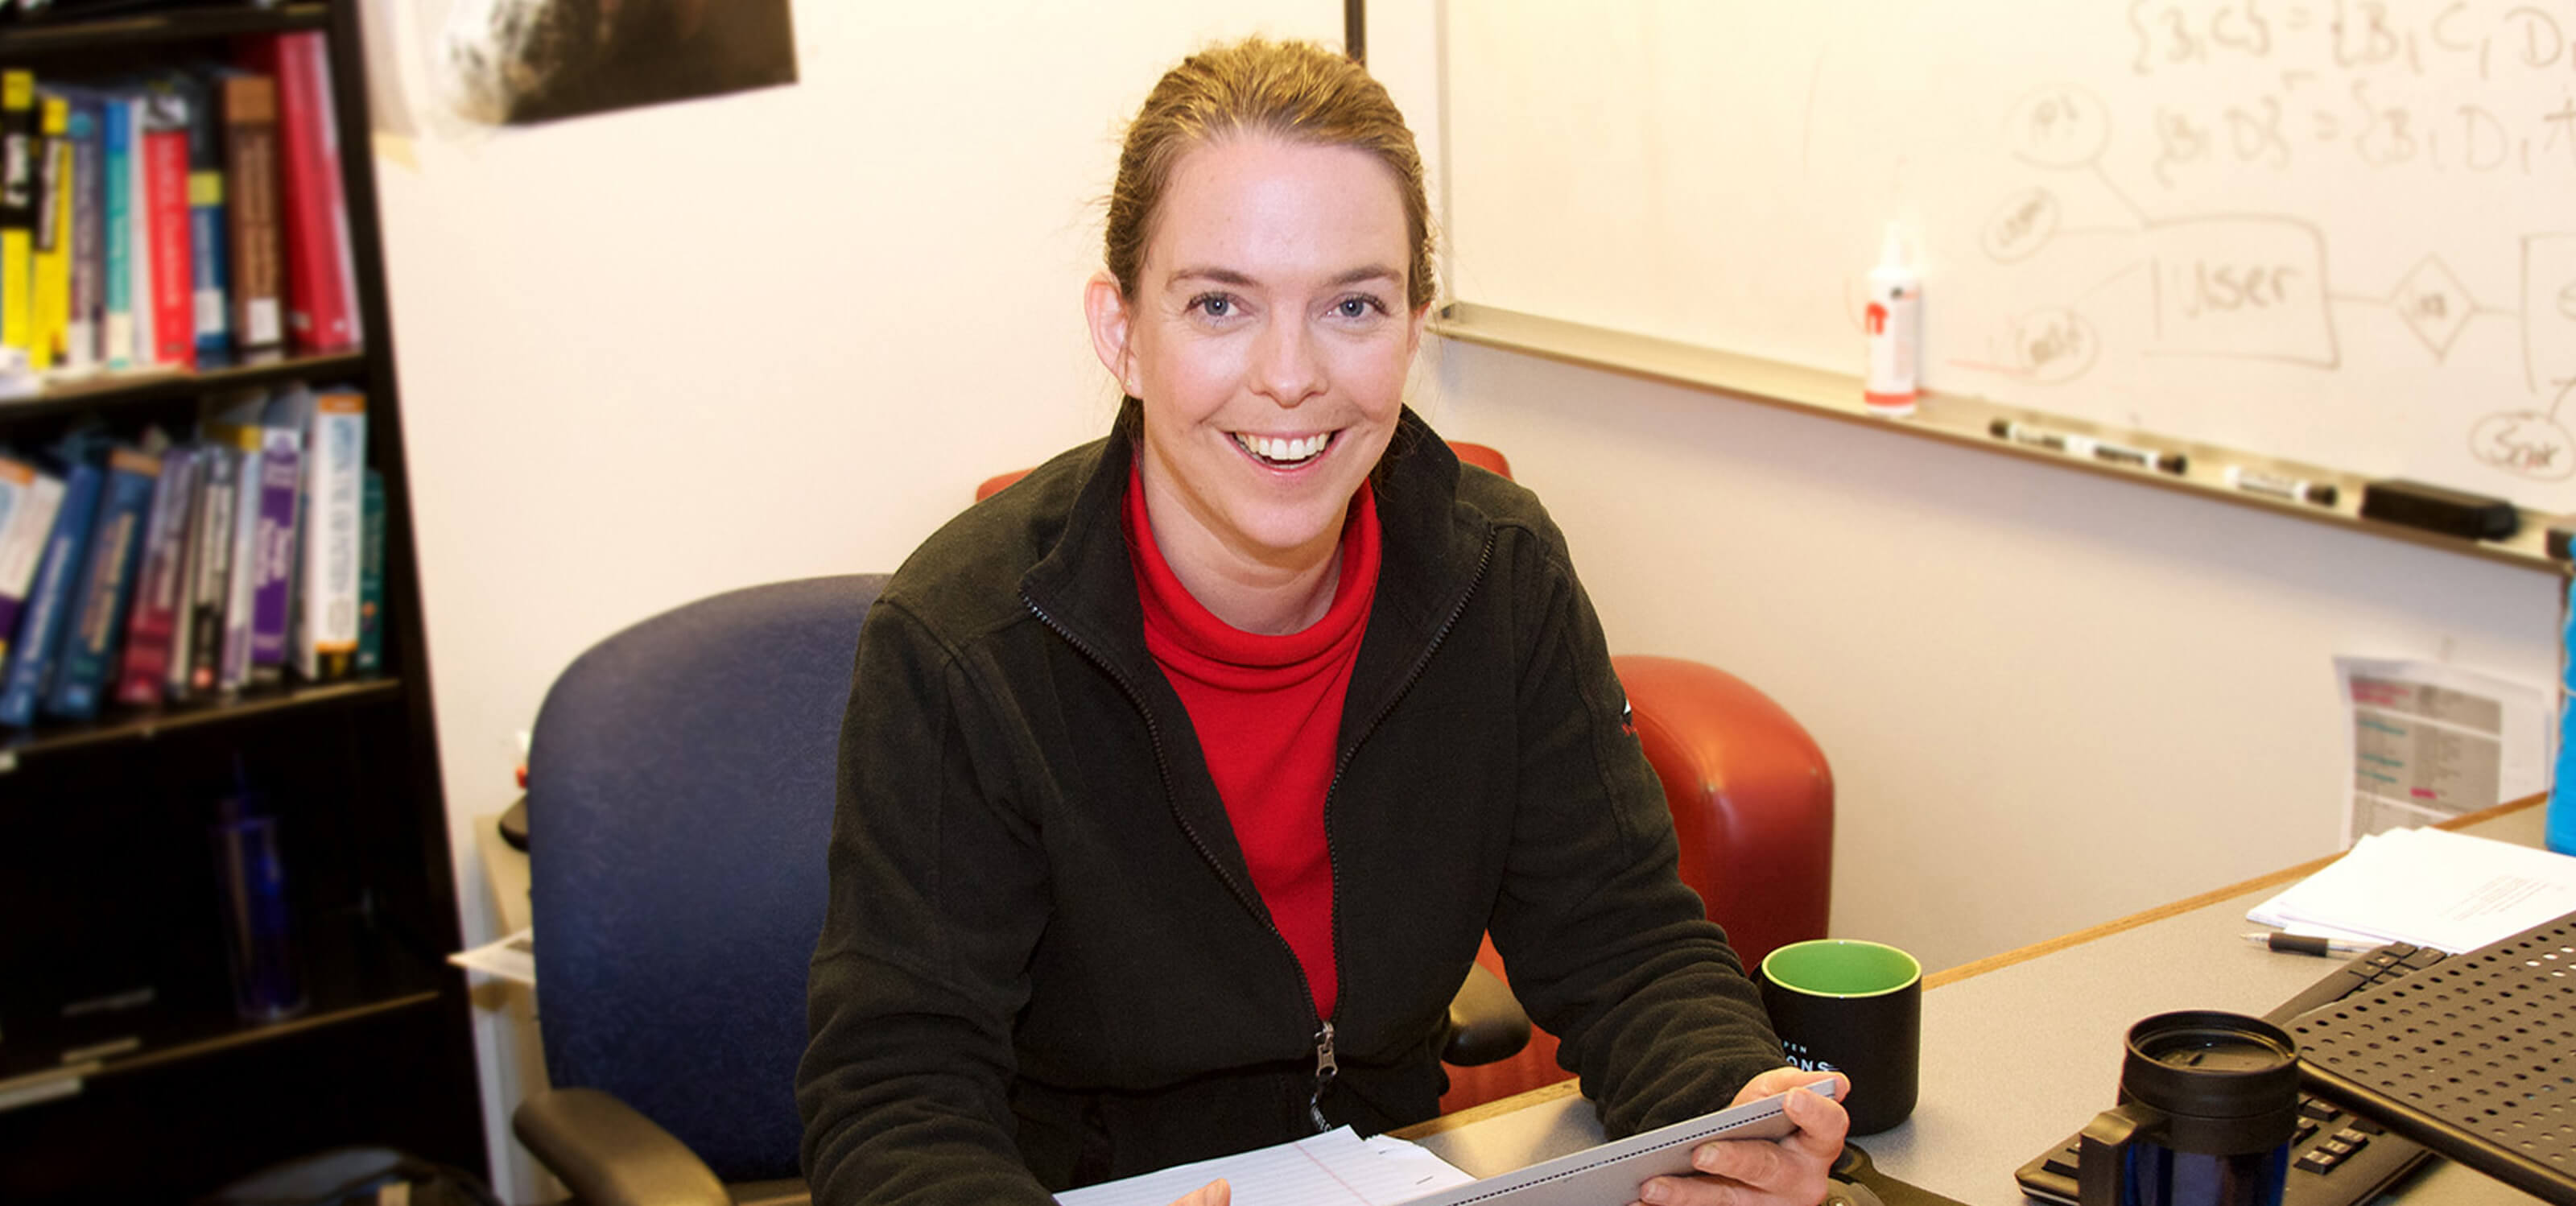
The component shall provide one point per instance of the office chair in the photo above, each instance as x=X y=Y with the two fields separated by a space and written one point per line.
x=680 y=792
x=1752 y=799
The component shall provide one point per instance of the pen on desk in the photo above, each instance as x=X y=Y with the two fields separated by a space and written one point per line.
x=2294 y=489
x=2301 y=944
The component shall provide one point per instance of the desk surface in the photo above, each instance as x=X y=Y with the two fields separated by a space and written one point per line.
x=2020 y=1050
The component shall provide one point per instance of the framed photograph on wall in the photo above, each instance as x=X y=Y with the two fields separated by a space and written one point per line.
x=524 y=61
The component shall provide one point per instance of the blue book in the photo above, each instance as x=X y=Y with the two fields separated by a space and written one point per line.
x=371 y=577
x=89 y=231
x=106 y=586
x=211 y=293
x=40 y=629
x=119 y=144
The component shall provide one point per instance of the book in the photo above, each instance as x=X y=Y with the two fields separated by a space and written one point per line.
x=97 y=616
x=174 y=671
x=210 y=304
x=43 y=623
x=235 y=422
x=335 y=456
x=344 y=255
x=210 y=568
x=138 y=239
x=29 y=500
x=18 y=154
x=88 y=233
x=251 y=213
x=313 y=216
x=370 y=659
x=152 y=628
x=50 y=291
x=167 y=228
x=273 y=568
x=117 y=147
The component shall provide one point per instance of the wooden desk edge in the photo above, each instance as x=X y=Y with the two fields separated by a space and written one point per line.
x=1493 y=1109
x=2160 y=912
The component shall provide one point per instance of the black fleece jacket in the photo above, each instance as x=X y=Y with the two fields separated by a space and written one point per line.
x=1044 y=963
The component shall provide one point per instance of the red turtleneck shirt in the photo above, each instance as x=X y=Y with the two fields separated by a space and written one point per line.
x=1267 y=711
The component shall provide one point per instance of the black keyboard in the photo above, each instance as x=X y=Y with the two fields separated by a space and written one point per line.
x=2339 y=1158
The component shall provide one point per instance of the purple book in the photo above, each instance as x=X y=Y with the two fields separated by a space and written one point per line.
x=281 y=474
x=153 y=619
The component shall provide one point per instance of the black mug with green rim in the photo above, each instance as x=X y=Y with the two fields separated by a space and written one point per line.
x=1852 y=1007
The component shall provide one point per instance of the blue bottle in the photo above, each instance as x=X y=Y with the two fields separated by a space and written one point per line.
x=2562 y=785
x=267 y=983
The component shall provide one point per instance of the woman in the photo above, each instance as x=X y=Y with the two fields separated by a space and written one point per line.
x=1180 y=780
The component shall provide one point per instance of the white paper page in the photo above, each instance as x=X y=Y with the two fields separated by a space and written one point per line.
x=1337 y=1168
x=2432 y=888
x=2431 y=742
x=511 y=957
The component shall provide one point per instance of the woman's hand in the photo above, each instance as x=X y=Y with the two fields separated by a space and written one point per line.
x=1214 y=1193
x=1789 y=1171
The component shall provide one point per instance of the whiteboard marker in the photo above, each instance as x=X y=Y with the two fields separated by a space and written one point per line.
x=2087 y=446
x=2291 y=488
x=2036 y=437
x=1895 y=325
x=2143 y=458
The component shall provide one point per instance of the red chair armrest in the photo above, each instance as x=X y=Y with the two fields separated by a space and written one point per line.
x=1751 y=795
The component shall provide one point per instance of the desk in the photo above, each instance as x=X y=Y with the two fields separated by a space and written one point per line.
x=2021 y=1049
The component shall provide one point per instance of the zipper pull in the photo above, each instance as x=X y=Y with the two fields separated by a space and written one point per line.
x=1325 y=1070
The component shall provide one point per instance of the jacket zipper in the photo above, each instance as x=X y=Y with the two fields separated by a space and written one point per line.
x=1325 y=1069
x=1326 y=1066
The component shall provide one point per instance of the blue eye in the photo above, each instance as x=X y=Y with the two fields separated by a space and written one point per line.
x=1356 y=307
x=1213 y=305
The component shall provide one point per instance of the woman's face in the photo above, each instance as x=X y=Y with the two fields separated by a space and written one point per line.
x=1268 y=340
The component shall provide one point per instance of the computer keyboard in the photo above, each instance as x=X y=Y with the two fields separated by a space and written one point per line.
x=2338 y=1157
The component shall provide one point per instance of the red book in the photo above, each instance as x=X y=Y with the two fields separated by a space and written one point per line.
x=320 y=316
x=165 y=189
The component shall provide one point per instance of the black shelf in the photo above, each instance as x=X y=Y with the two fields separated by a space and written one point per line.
x=110 y=391
x=209 y=1035
x=45 y=37
x=145 y=724
x=354 y=970
x=105 y=824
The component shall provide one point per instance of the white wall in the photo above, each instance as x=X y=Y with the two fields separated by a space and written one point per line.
x=2049 y=698
x=651 y=356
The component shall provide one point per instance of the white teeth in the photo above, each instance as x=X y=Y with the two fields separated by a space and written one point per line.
x=1287 y=452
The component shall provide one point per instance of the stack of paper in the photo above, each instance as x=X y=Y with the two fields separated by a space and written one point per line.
x=1337 y=1168
x=2428 y=887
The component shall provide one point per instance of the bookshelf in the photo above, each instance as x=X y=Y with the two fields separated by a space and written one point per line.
x=149 y=1087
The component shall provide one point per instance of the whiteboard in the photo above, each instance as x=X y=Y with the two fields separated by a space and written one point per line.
x=2339 y=232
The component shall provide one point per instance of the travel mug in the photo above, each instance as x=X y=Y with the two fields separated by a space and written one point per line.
x=1856 y=1008
x=2209 y=1104
x=251 y=878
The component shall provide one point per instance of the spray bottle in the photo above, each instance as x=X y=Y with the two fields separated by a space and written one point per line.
x=1895 y=326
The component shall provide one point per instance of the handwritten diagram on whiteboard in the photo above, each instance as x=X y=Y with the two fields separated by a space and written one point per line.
x=2335 y=231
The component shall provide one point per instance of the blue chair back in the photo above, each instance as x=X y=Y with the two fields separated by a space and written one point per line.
x=680 y=788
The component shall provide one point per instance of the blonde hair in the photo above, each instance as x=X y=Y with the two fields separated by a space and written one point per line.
x=1297 y=92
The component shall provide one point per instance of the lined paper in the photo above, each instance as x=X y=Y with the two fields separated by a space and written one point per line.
x=1337 y=1168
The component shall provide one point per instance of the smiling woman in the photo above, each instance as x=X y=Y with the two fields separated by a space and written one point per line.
x=1268 y=327
x=1181 y=781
